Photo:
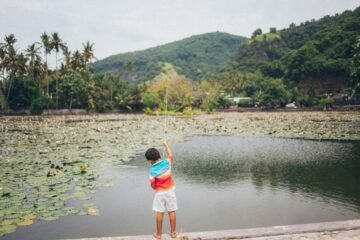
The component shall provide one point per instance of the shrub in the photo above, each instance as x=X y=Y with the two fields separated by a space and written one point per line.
x=39 y=104
x=246 y=102
x=326 y=102
x=306 y=100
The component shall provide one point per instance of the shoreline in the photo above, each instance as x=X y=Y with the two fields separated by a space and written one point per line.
x=314 y=125
x=349 y=229
x=65 y=112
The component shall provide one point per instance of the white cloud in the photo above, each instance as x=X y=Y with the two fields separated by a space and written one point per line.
x=120 y=26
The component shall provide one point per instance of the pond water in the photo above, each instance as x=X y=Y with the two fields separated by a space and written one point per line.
x=225 y=183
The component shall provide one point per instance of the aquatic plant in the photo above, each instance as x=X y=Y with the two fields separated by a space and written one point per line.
x=47 y=161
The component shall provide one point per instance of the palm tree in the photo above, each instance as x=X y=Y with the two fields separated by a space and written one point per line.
x=32 y=52
x=77 y=60
x=47 y=46
x=56 y=44
x=6 y=48
x=88 y=53
x=9 y=61
x=10 y=40
x=67 y=55
x=2 y=63
x=16 y=65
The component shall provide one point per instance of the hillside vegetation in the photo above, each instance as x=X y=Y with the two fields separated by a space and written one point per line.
x=316 y=63
x=195 y=57
x=314 y=56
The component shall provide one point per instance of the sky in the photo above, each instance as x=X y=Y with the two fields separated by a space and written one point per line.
x=117 y=26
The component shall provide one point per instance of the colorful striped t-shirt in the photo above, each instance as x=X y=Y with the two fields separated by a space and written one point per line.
x=160 y=176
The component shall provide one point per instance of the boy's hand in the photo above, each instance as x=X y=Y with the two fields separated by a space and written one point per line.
x=166 y=144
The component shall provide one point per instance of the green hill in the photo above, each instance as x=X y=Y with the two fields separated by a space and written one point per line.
x=316 y=54
x=195 y=57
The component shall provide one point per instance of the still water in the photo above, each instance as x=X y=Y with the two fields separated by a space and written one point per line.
x=226 y=183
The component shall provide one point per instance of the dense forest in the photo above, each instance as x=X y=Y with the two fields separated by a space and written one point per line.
x=314 y=60
x=313 y=63
x=195 y=57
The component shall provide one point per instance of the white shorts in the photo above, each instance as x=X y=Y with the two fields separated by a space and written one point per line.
x=165 y=201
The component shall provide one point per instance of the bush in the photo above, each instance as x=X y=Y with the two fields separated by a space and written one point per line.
x=22 y=93
x=246 y=103
x=224 y=102
x=326 y=102
x=39 y=104
x=274 y=94
x=306 y=100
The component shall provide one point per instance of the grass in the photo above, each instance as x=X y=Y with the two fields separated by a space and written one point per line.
x=172 y=113
x=269 y=37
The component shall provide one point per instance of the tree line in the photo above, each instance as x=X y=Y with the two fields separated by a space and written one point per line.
x=27 y=82
x=313 y=63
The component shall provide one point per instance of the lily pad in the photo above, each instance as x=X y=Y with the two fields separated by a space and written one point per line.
x=77 y=153
x=93 y=211
x=6 y=229
x=6 y=222
x=29 y=217
x=25 y=222
x=81 y=196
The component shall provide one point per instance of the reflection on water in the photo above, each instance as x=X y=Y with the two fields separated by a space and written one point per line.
x=225 y=183
x=326 y=169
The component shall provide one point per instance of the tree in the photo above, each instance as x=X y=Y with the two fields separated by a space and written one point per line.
x=77 y=89
x=77 y=60
x=10 y=40
x=129 y=66
x=274 y=69
x=273 y=93
x=88 y=53
x=173 y=93
x=67 y=57
x=273 y=30
x=304 y=62
x=35 y=68
x=233 y=82
x=355 y=72
x=207 y=96
x=355 y=75
x=12 y=64
x=47 y=48
x=23 y=93
x=56 y=44
x=256 y=32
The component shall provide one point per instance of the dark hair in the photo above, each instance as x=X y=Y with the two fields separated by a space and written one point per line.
x=152 y=154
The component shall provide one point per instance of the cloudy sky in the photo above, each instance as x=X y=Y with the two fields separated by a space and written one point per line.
x=117 y=26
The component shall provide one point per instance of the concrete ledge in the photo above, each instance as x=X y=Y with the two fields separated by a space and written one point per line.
x=273 y=232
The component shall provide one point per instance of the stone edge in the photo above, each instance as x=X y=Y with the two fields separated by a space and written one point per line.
x=253 y=232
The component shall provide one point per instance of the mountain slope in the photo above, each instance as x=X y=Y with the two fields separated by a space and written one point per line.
x=315 y=53
x=195 y=57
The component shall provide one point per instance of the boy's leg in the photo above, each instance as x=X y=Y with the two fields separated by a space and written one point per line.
x=172 y=218
x=159 y=220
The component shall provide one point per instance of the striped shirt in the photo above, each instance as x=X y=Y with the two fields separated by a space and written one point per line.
x=161 y=177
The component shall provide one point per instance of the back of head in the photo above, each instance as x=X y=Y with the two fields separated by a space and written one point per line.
x=152 y=154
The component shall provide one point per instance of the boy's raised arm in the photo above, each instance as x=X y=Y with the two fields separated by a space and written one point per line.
x=169 y=152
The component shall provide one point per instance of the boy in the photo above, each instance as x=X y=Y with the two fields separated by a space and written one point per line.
x=162 y=182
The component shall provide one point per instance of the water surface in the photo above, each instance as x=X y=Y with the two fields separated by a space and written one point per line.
x=226 y=183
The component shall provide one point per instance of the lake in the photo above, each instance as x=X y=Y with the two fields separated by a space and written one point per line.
x=224 y=182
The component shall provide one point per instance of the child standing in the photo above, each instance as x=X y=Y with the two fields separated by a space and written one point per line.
x=162 y=182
